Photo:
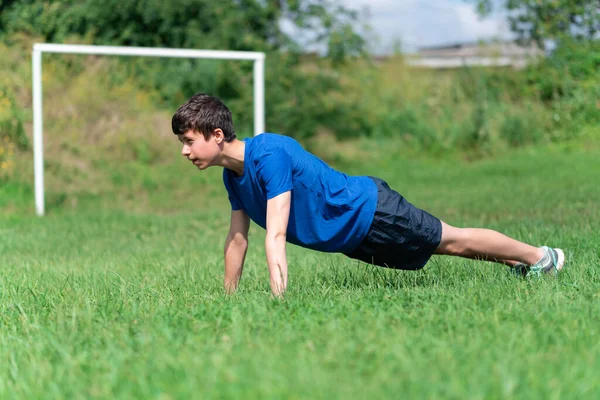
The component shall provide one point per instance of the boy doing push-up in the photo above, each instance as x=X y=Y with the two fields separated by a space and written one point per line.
x=298 y=198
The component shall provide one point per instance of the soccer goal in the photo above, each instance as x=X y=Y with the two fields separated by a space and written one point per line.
x=39 y=48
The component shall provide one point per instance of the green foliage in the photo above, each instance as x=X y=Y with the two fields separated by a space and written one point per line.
x=567 y=81
x=7 y=149
x=556 y=20
x=570 y=67
x=473 y=110
x=518 y=130
x=13 y=116
x=11 y=120
x=232 y=25
x=228 y=24
x=409 y=123
x=12 y=132
x=568 y=77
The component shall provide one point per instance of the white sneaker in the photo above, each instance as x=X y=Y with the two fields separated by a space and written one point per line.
x=552 y=262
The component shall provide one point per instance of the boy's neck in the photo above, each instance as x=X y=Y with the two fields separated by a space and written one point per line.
x=232 y=156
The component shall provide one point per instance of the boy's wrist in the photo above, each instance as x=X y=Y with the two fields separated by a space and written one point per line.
x=277 y=263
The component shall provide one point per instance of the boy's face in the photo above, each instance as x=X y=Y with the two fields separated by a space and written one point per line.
x=201 y=152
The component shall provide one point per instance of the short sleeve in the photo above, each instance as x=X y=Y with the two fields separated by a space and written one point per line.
x=233 y=197
x=274 y=171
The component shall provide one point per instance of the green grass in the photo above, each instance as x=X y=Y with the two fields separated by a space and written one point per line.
x=120 y=297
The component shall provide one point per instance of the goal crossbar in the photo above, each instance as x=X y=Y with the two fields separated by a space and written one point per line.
x=38 y=149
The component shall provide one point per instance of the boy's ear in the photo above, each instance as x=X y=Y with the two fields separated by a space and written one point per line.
x=218 y=135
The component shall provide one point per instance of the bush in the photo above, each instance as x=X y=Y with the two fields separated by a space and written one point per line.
x=518 y=130
x=407 y=122
x=12 y=133
x=7 y=149
x=571 y=66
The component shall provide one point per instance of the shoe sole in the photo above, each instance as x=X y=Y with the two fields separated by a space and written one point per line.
x=561 y=259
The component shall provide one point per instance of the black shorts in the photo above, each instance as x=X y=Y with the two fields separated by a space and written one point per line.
x=401 y=235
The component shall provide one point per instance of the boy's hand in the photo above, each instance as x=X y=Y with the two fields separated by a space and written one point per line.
x=278 y=213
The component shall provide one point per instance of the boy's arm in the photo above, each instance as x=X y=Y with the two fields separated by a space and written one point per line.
x=236 y=245
x=278 y=213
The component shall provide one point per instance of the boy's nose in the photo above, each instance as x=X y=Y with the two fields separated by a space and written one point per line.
x=185 y=150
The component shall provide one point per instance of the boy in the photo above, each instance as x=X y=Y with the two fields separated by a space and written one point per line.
x=298 y=198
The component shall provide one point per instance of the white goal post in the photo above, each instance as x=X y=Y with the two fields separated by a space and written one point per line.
x=39 y=48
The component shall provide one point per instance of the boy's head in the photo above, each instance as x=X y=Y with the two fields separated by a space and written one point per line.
x=203 y=114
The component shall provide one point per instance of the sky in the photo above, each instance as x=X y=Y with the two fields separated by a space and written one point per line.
x=422 y=23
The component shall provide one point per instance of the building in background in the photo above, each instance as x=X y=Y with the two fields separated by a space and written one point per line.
x=498 y=54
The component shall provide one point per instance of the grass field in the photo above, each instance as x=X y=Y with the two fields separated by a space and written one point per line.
x=107 y=300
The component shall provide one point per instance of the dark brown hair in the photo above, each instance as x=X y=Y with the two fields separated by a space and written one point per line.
x=203 y=113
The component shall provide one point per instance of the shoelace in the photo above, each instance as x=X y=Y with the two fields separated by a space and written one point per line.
x=538 y=268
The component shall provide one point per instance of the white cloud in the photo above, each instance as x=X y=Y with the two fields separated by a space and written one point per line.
x=418 y=23
x=473 y=26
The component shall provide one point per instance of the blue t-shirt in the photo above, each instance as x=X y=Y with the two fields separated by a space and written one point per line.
x=330 y=211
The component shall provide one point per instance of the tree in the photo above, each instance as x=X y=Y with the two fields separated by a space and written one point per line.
x=549 y=20
x=303 y=92
x=224 y=24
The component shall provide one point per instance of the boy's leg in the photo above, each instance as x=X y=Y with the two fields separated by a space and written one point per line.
x=486 y=244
